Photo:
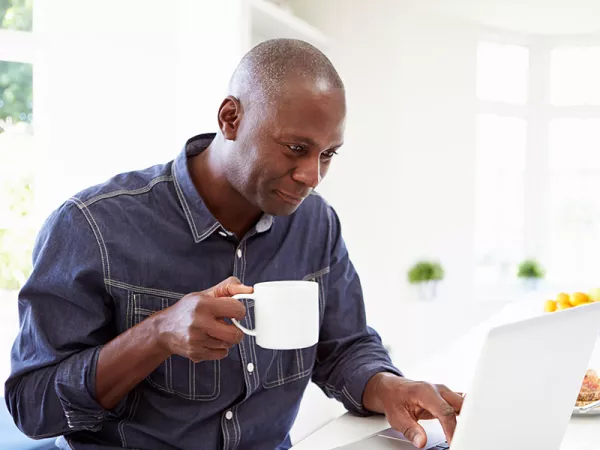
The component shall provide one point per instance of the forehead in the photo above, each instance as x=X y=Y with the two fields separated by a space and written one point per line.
x=313 y=111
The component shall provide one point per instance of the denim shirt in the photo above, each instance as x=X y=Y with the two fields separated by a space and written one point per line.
x=115 y=253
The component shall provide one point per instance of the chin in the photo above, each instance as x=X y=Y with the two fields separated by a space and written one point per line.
x=279 y=208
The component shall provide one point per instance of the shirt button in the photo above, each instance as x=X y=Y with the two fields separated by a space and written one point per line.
x=239 y=252
x=250 y=367
x=229 y=415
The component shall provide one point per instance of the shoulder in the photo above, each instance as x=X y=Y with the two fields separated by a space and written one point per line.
x=124 y=186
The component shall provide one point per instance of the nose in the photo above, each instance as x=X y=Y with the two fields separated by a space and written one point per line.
x=308 y=172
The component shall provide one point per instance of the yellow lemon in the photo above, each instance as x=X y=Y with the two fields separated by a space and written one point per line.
x=550 y=306
x=561 y=306
x=564 y=300
x=594 y=295
x=579 y=298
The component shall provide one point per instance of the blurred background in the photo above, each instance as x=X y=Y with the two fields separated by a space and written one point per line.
x=472 y=150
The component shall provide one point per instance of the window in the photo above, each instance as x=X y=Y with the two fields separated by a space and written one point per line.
x=502 y=73
x=17 y=228
x=16 y=14
x=573 y=233
x=538 y=164
x=502 y=79
x=574 y=76
x=501 y=143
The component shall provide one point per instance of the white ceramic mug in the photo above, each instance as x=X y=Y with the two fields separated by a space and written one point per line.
x=286 y=314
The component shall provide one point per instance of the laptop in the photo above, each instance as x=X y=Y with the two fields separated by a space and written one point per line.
x=524 y=388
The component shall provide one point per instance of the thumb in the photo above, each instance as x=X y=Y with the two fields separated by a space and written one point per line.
x=228 y=288
x=403 y=422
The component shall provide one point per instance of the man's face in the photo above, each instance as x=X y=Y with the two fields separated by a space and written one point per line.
x=284 y=148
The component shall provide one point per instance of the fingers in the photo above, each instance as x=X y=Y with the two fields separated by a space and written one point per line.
x=402 y=421
x=228 y=307
x=228 y=288
x=454 y=399
x=207 y=354
x=224 y=332
x=431 y=399
x=215 y=344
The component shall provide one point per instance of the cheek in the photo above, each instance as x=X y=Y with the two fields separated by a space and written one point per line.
x=324 y=169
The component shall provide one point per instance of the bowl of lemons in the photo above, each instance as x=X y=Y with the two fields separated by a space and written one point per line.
x=565 y=301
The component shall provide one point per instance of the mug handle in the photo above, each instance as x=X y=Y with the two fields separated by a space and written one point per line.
x=236 y=323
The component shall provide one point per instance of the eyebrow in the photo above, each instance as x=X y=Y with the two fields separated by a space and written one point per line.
x=309 y=141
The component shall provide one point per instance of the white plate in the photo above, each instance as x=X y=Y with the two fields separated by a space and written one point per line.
x=589 y=412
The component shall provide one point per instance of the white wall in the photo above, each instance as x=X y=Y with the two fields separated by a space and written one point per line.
x=121 y=85
x=404 y=182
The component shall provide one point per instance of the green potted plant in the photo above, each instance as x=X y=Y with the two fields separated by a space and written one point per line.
x=531 y=272
x=426 y=275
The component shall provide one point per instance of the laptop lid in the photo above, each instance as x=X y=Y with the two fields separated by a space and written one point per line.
x=527 y=380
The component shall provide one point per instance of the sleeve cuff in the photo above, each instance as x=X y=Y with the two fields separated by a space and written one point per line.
x=355 y=386
x=76 y=389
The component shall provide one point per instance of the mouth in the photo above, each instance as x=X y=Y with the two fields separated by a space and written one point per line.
x=293 y=200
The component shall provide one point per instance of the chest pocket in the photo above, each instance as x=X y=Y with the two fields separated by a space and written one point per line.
x=176 y=375
x=287 y=366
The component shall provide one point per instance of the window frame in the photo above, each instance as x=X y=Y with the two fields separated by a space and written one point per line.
x=538 y=112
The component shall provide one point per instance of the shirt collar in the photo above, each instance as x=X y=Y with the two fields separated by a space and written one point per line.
x=202 y=223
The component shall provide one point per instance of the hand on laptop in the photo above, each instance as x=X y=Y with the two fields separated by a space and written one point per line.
x=404 y=402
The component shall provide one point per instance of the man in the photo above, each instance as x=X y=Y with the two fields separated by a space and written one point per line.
x=125 y=336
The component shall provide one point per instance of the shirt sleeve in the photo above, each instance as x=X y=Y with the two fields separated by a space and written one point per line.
x=349 y=352
x=65 y=315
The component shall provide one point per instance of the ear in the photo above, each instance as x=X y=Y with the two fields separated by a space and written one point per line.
x=230 y=115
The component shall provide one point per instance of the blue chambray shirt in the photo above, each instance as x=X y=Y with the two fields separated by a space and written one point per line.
x=114 y=254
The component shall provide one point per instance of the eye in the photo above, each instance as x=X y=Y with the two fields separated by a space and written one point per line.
x=330 y=154
x=296 y=148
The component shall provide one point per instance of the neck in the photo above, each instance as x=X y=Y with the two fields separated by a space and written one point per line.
x=226 y=204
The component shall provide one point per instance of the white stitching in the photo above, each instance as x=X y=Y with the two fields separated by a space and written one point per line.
x=281 y=380
x=301 y=365
x=167 y=362
x=132 y=192
x=103 y=244
x=191 y=373
x=351 y=399
x=317 y=274
x=86 y=213
x=279 y=368
x=241 y=344
x=168 y=381
x=183 y=201
x=132 y=411
x=239 y=429
x=225 y=432
x=209 y=231
x=251 y=339
x=143 y=290
x=332 y=391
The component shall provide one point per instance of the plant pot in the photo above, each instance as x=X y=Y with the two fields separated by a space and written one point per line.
x=530 y=284
x=426 y=290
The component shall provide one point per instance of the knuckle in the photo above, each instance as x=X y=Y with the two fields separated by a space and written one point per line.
x=447 y=410
x=409 y=432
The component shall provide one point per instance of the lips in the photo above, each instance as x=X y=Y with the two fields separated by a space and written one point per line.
x=293 y=199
